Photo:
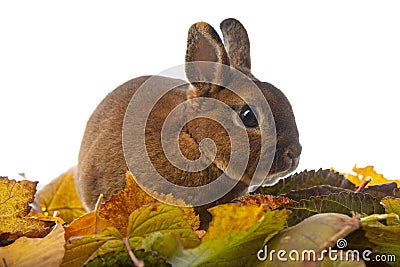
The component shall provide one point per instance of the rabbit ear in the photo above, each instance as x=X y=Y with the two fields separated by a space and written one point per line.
x=205 y=46
x=238 y=45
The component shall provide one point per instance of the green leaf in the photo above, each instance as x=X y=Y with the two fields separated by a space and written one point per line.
x=319 y=190
x=386 y=237
x=145 y=228
x=358 y=241
x=166 y=244
x=237 y=248
x=392 y=205
x=150 y=258
x=84 y=249
x=307 y=179
x=342 y=259
x=163 y=218
x=310 y=237
x=344 y=203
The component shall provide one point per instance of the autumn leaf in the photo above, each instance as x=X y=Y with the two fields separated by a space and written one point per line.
x=386 y=237
x=315 y=234
x=41 y=216
x=344 y=202
x=61 y=195
x=381 y=191
x=14 y=209
x=150 y=258
x=119 y=207
x=143 y=224
x=46 y=251
x=360 y=174
x=378 y=191
x=162 y=235
x=159 y=217
x=80 y=250
x=88 y=224
x=16 y=195
x=233 y=242
x=165 y=244
x=307 y=179
x=315 y=191
x=391 y=205
x=269 y=202
x=231 y=217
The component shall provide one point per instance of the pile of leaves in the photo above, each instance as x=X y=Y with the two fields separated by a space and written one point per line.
x=332 y=215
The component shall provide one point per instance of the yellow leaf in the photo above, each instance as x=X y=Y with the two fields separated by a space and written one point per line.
x=191 y=218
x=360 y=174
x=61 y=195
x=14 y=207
x=47 y=251
x=120 y=206
x=228 y=218
x=16 y=196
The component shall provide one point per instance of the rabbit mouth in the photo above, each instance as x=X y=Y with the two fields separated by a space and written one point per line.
x=273 y=177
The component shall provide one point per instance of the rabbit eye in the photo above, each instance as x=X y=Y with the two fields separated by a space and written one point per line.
x=248 y=117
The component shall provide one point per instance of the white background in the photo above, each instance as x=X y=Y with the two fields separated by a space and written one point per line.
x=337 y=61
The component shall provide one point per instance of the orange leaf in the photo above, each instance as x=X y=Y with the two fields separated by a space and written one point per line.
x=88 y=224
x=119 y=207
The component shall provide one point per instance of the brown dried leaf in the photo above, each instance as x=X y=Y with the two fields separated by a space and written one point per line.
x=269 y=202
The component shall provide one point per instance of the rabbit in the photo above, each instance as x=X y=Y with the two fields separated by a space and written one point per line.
x=102 y=166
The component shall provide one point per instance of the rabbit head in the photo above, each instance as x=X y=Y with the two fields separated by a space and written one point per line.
x=225 y=85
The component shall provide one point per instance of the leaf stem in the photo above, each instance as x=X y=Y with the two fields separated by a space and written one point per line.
x=98 y=203
x=364 y=184
x=136 y=261
x=377 y=217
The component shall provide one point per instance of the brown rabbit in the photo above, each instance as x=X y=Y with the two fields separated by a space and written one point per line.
x=102 y=163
